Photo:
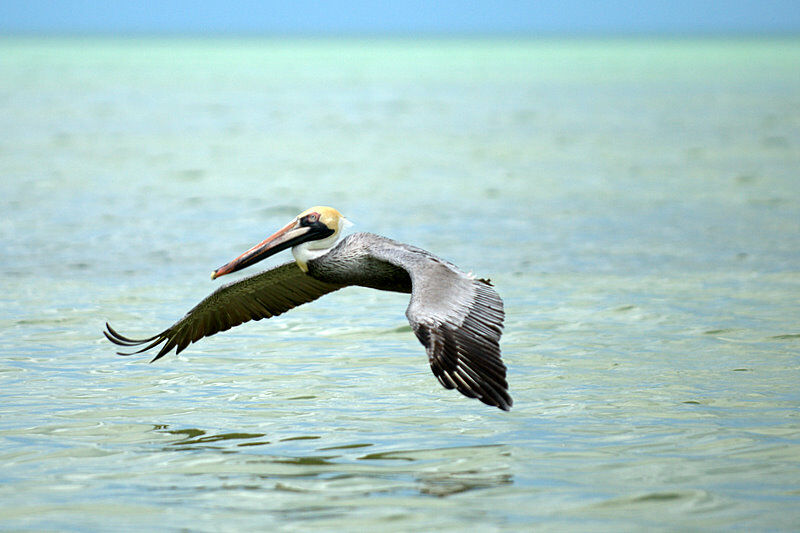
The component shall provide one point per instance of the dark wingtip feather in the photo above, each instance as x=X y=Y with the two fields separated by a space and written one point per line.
x=109 y=337
x=121 y=340
x=506 y=403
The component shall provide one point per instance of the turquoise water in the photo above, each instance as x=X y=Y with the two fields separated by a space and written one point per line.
x=636 y=204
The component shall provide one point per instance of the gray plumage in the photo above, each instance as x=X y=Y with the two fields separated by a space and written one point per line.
x=457 y=318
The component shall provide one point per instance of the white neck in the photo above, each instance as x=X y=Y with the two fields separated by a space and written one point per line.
x=303 y=254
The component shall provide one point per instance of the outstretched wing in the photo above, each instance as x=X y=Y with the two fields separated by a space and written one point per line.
x=260 y=296
x=459 y=320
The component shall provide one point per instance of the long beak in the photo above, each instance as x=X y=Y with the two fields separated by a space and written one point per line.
x=284 y=238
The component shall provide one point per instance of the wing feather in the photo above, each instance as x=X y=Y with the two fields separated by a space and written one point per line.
x=263 y=295
x=459 y=320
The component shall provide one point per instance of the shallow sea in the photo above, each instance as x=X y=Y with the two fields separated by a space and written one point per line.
x=635 y=202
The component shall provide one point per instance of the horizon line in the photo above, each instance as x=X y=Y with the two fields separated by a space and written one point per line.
x=533 y=35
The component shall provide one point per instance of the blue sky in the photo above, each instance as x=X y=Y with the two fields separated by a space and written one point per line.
x=399 y=17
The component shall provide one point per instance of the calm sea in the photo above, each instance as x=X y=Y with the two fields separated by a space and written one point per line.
x=635 y=202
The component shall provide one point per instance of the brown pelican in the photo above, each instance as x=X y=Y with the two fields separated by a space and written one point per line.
x=457 y=317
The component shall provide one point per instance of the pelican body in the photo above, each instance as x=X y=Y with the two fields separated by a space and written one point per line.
x=457 y=317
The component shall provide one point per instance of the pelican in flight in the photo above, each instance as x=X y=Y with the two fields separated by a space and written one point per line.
x=457 y=317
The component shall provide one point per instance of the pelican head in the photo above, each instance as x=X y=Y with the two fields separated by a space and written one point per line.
x=310 y=234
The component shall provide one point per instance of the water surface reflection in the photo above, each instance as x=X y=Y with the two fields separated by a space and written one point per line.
x=436 y=472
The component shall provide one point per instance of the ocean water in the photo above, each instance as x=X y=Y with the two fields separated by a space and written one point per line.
x=635 y=202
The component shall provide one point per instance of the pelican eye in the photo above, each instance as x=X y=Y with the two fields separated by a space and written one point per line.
x=309 y=219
